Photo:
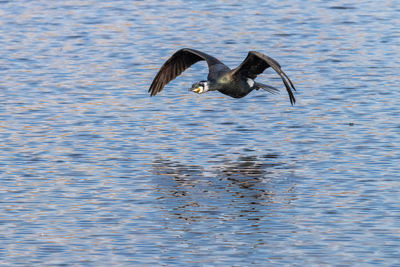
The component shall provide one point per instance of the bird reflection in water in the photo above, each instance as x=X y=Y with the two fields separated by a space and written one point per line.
x=192 y=192
x=247 y=171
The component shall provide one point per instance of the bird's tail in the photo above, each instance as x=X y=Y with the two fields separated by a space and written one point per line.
x=267 y=88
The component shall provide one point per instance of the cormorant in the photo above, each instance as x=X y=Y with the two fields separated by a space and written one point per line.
x=236 y=82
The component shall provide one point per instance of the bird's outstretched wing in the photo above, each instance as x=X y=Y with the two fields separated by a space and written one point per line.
x=176 y=64
x=255 y=63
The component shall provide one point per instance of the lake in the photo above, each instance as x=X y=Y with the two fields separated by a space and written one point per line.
x=95 y=172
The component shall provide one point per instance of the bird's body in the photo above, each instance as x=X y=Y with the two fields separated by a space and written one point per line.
x=236 y=83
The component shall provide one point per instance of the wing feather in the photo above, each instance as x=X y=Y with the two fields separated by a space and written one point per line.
x=176 y=64
x=255 y=63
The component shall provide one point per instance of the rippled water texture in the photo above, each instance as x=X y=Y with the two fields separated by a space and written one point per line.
x=94 y=172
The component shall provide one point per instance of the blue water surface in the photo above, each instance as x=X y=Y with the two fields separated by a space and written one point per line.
x=94 y=172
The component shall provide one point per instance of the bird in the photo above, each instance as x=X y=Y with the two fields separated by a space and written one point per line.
x=237 y=82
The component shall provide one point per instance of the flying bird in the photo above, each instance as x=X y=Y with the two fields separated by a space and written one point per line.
x=236 y=82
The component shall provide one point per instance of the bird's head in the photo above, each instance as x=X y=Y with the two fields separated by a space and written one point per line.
x=200 y=87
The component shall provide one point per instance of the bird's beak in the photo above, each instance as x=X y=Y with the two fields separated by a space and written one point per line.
x=197 y=90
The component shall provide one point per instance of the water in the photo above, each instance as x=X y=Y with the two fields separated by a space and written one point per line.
x=94 y=172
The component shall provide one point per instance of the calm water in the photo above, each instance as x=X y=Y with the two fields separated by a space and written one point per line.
x=94 y=172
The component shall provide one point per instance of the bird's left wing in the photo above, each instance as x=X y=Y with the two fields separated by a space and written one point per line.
x=176 y=64
x=255 y=63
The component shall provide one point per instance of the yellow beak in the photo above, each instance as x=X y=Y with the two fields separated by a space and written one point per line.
x=197 y=90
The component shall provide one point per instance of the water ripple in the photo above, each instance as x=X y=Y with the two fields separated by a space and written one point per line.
x=95 y=172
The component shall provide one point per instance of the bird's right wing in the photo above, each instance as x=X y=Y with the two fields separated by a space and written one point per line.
x=176 y=64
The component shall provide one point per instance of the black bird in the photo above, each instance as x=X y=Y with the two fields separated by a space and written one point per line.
x=236 y=83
